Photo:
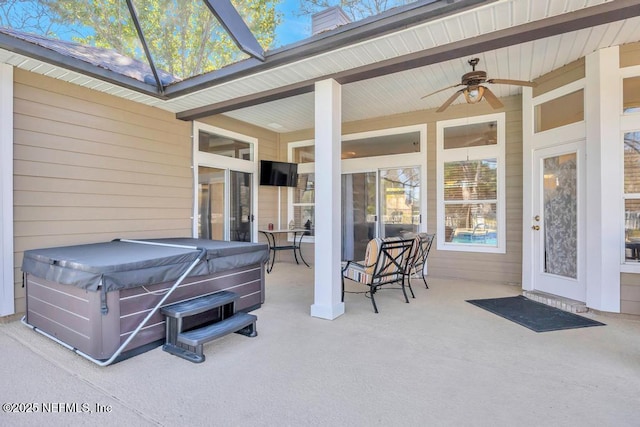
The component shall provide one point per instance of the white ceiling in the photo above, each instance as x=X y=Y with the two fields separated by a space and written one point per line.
x=402 y=91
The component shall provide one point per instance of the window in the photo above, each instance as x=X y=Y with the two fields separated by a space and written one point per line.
x=304 y=203
x=471 y=206
x=631 y=95
x=632 y=196
x=224 y=146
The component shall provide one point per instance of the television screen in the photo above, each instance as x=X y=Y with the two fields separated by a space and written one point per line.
x=280 y=174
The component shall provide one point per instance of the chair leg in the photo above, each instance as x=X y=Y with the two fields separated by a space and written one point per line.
x=373 y=300
x=342 y=300
x=410 y=288
x=406 y=299
x=425 y=281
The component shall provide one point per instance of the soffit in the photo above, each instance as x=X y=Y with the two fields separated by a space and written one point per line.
x=400 y=91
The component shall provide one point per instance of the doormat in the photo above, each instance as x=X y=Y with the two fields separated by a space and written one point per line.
x=533 y=315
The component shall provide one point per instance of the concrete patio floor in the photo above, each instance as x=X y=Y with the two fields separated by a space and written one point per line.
x=436 y=361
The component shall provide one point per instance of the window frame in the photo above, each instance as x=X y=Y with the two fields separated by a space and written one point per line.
x=497 y=152
x=629 y=122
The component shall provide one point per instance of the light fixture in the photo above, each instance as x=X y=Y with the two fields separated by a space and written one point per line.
x=473 y=94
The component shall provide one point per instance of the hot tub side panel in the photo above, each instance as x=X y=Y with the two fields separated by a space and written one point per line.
x=73 y=315
x=136 y=303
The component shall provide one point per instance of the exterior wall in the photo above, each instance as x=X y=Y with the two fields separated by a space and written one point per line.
x=90 y=167
x=498 y=268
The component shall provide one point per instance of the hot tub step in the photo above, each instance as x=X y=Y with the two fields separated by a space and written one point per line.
x=239 y=322
x=199 y=305
x=188 y=344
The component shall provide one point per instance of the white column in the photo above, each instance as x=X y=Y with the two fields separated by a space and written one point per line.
x=7 y=305
x=602 y=115
x=328 y=116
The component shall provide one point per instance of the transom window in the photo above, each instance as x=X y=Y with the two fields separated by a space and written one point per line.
x=471 y=206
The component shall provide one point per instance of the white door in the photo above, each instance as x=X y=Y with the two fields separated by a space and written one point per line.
x=557 y=224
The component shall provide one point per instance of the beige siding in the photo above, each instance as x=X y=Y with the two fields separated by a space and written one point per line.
x=560 y=77
x=499 y=268
x=89 y=167
x=629 y=55
x=630 y=293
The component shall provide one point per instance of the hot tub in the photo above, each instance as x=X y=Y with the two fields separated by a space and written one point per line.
x=92 y=297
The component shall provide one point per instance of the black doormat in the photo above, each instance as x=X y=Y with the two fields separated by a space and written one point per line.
x=533 y=315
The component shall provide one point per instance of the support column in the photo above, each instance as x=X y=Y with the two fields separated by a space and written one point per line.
x=602 y=117
x=328 y=117
x=7 y=304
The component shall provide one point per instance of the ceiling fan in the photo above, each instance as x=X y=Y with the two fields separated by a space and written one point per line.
x=474 y=90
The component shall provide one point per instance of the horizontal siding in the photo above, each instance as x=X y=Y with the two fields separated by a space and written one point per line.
x=560 y=77
x=630 y=293
x=89 y=167
x=629 y=55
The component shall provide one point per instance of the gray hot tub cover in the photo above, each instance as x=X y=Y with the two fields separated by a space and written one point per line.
x=122 y=264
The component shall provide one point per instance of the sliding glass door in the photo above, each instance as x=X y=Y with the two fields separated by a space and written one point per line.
x=399 y=201
x=382 y=203
x=358 y=213
x=215 y=188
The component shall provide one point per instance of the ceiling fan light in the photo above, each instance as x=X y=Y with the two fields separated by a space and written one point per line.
x=474 y=94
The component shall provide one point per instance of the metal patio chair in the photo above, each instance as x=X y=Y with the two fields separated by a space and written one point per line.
x=421 y=252
x=387 y=262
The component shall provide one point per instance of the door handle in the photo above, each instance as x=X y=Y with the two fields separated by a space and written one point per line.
x=536 y=227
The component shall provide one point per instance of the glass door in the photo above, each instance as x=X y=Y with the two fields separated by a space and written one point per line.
x=359 y=214
x=211 y=189
x=240 y=205
x=383 y=203
x=399 y=201
x=225 y=205
x=558 y=235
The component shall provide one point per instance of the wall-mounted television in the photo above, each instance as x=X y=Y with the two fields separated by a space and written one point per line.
x=280 y=174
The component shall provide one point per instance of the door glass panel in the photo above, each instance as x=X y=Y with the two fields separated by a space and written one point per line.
x=240 y=215
x=358 y=213
x=560 y=197
x=210 y=203
x=304 y=203
x=399 y=201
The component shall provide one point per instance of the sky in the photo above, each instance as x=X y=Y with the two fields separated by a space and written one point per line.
x=293 y=28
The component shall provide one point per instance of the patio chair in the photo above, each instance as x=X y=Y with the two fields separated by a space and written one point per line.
x=421 y=252
x=386 y=263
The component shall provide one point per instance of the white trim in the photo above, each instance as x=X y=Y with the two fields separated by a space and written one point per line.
x=7 y=294
x=498 y=152
x=228 y=164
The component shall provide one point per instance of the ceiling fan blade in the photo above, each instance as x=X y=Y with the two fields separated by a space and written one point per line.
x=449 y=101
x=512 y=82
x=440 y=90
x=492 y=99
